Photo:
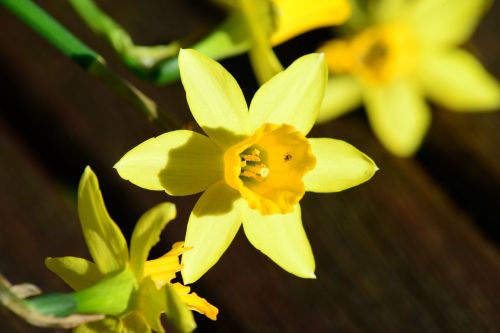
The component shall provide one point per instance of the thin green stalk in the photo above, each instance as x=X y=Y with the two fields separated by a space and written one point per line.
x=146 y=61
x=57 y=35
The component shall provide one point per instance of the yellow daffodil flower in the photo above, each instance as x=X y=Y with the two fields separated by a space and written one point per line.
x=254 y=166
x=409 y=52
x=138 y=291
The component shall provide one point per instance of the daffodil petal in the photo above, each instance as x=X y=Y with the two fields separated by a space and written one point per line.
x=179 y=162
x=339 y=166
x=212 y=226
x=449 y=22
x=108 y=325
x=151 y=303
x=387 y=10
x=78 y=273
x=147 y=233
x=134 y=323
x=214 y=97
x=458 y=81
x=195 y=302
x=398 y=115
x=295 y=17
x=293 y=96
x=342 y=94
x=282 y=238
x=178 y=314
x=105 y=241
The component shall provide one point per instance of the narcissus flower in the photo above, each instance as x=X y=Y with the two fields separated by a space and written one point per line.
x=410 y=51
x=254 y=166
x=130 y=290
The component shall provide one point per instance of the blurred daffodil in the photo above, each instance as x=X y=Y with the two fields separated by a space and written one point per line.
x=254 y=166
x=123 y=285
x=410 y=51
x=258 y=25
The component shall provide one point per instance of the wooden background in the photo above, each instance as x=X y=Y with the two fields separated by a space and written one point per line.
x=413 y=250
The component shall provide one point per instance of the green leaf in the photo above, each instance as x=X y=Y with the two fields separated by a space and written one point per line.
x=110 y=296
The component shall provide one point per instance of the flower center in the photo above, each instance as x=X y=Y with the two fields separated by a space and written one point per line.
x=376 y=56
x=267 y=168
x=252 y=166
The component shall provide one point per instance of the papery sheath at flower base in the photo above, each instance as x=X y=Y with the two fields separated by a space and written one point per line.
x=254 y=164
x=138 y=291
x=409 y=51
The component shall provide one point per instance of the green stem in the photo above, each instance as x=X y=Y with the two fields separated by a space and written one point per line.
x=143 y=60
x=57 y=35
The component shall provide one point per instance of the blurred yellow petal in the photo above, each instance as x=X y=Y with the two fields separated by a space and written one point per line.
x=449 y=22
x=455 y=79
x=104 y=239
x=108 y=325
x=134 y=323
x=339 y=166
x=78 y=273
x=147 y=233
x=282 y=238
x=195 y=302
x=293 y=96
x=213 y=223
x=214 y=97
x=398 y=115
x=342 y=94
x=295 y=17
x=180 y=162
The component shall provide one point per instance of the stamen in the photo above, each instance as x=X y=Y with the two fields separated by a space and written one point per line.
x=250 y=166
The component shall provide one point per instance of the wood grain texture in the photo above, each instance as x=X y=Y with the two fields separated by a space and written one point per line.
x=414 y=250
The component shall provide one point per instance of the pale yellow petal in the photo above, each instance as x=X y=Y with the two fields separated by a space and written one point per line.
x=147 y=233
x=179 y=162
x=455 y=79
x=104 y=239
x=282 y=238
x=339 y=166
x=295 y=17
x=342 y=94
x=449 y=22
x=398 y=115
x=293 y=96
x=212 y=226
x=78 y=273
x=214 y=97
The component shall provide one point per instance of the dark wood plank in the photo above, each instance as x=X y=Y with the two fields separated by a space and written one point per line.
x=403 y=252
